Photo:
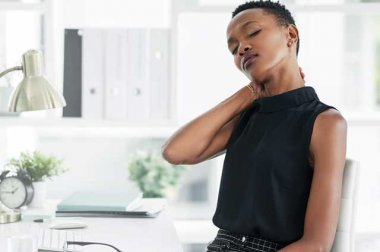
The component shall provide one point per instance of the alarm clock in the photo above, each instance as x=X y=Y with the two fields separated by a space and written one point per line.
x=17 y=190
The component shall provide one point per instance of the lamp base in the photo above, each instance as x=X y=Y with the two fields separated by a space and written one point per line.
x=9 y=216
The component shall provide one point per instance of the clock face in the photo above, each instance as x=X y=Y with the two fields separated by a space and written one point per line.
x=13 y=192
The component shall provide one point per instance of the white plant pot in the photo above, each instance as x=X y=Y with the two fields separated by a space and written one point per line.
x=39 y=197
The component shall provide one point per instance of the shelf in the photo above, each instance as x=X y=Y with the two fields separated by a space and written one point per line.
x=21 y=6
x=77 y=127
x=77 y=122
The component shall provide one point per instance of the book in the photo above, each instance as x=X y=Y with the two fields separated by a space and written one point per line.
x=100 y=201
x=140 y=212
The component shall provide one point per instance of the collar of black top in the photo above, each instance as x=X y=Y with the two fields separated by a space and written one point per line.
x=286 y=100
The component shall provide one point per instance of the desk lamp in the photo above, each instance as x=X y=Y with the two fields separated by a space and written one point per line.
x=33 y=93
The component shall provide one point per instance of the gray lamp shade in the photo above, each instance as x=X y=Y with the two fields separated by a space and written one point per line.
x=34 y=92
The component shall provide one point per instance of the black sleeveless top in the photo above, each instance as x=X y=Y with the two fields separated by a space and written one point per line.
x=266 y=175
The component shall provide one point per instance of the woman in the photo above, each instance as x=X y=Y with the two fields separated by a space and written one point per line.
x=285 y=149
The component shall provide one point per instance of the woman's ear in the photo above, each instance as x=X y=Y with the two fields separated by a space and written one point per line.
x=292 y=33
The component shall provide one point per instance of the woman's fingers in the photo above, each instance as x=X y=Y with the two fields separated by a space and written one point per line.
x=258 y=89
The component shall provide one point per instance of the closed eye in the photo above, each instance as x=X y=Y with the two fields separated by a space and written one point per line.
x=249 y=35
x=254 y=33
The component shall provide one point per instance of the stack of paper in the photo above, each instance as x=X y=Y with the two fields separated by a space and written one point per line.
x=104 y=204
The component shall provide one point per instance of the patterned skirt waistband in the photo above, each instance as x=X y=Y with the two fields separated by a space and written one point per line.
x=249 y=242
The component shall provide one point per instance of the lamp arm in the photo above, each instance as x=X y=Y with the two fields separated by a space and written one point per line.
x=10 y=70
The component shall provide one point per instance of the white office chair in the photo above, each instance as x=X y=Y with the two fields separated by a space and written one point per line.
x=344 y=237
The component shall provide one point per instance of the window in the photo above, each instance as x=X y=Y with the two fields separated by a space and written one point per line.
x=22 y=28
x=337 y=54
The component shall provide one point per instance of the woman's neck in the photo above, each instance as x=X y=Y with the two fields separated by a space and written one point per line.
x=283 y=80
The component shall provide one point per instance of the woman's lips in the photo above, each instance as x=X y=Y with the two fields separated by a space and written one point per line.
x=248 y=61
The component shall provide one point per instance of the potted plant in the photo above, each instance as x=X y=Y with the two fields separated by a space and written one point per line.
x=153 y=175
x=39 y=167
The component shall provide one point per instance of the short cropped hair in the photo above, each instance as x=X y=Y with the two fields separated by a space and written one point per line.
x=282 y=14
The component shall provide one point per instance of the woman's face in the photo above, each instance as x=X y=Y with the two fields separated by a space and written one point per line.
x=258 y=43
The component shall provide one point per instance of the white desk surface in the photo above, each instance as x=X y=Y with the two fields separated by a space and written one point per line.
x=127 y=234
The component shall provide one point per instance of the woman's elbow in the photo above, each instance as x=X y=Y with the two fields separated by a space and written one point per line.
x=169 y=156
x=173 y=157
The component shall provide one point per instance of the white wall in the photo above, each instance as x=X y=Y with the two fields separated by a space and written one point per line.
x=206 y=71
x=95 y=162
x=116 y=13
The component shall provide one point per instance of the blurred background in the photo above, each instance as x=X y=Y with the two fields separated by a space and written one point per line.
x=134 y=71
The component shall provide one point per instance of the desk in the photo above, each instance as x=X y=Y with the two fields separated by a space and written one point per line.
x=128 y=234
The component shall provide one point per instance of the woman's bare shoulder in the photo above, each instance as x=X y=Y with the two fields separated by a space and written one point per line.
x=329 y=124
x=330 y=117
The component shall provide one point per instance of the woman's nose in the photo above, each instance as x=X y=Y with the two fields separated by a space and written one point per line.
x=245 y=49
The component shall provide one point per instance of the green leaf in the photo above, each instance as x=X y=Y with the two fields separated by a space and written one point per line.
x=38 y=166
x=153 y=174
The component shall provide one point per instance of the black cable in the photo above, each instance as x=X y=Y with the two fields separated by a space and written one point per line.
x=91 y=243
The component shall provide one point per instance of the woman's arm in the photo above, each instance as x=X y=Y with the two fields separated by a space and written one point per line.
x=328 y=149
x=207 y=135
